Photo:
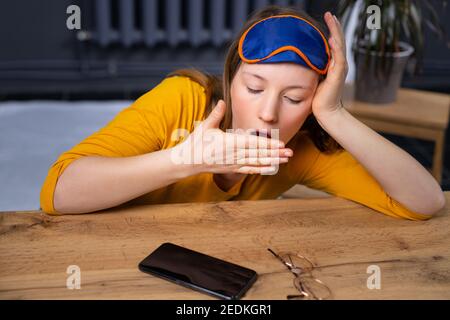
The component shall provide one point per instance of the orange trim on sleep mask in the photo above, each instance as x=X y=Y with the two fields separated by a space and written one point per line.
x=273 y=38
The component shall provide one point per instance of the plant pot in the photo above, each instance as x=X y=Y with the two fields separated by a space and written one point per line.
x=373 y=86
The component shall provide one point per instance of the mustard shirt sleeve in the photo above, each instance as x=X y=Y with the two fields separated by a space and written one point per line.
x=340 y=174
x=141 y=128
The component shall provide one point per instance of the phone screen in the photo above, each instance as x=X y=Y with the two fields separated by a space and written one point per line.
x=199 y=271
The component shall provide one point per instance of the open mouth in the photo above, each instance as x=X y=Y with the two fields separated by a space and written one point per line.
x=261 y=133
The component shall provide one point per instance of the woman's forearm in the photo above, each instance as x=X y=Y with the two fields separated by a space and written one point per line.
x=400 y=175
x=95 y=183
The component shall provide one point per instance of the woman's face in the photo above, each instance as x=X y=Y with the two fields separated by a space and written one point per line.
x=272 y=96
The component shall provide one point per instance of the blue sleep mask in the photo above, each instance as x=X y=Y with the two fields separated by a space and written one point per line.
x=285 y=38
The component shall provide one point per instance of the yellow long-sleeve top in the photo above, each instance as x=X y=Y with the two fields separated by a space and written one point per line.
x=177 y=102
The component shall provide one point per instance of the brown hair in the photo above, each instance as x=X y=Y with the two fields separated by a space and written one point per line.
x=216 y=89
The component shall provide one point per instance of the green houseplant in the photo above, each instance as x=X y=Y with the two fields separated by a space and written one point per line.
x=381 y=53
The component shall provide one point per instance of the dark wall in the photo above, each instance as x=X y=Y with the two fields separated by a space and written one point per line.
x=436 y=63
x=39 y=55
x=35 y=30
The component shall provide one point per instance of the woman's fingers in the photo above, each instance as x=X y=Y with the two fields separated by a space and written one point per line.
x=341 y=36
x=336 y=31
x=331 y=24
x=261 y=161
x=252 y=153
x=257 y=150
x=256 y=170
x=338 y=49
x=251 y=141
x=224 y=152
x=216 y=115
x=341 y=32
x=338 y=57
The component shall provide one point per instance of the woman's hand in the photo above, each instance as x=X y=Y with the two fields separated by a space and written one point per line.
x=209 y=149
x=329 y=92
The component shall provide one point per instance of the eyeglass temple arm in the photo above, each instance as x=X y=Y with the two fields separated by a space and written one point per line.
x=276 y=256
x=279 y=258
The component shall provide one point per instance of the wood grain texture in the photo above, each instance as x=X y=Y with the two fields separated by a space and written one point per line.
x=343 y=238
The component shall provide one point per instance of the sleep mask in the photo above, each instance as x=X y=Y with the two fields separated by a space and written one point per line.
x=285 y=38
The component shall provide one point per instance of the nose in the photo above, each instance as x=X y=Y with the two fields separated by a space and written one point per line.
x=268 y=112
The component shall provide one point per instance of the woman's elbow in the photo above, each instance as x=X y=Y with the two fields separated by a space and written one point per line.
x=436 y=206
x=64 y=201
x=440 y=202
x=60 y=201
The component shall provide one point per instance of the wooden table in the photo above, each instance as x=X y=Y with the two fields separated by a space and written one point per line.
x=343 y=238
x=416 y=114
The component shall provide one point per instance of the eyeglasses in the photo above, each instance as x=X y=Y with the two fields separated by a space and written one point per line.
x=310 y=288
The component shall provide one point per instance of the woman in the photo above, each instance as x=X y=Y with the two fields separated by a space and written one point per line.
x=281 y=75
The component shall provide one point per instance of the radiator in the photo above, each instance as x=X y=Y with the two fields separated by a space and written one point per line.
x=173 y=22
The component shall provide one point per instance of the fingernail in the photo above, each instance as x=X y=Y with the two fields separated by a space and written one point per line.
x=335 y=18
x=288 y=153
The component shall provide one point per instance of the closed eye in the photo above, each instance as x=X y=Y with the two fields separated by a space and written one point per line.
x=254 y=91
x=294 y=101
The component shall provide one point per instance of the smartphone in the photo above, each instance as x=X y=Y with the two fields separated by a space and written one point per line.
x=199 y=271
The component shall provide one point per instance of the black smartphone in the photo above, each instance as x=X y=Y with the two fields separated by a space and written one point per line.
x=199 y=271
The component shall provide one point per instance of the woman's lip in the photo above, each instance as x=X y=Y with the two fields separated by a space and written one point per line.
x=262 y=133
